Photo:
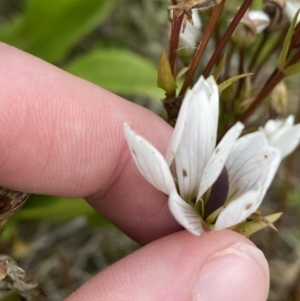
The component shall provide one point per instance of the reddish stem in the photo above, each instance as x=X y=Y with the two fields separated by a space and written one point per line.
x=202 y=45
x=174 y=40
x=234 y=23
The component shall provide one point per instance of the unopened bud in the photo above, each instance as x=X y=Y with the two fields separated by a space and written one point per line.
x=252 y=23
x=276 y=11
x=278 y=99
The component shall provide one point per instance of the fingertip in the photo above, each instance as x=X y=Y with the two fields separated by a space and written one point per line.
x=216 y=266
x=239 y=272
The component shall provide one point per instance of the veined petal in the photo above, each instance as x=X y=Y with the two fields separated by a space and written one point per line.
x=150 y=162
x=196 y=146
x=180 y=123
x=288 y=141
x=217 y=161
x=185 y=214
x=274 y=160
x=239 y=209
x=251 y=163
x=210 y=88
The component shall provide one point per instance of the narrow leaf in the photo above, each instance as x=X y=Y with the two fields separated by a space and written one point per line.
x=231 y=80
x=286 y=44
x=219 y=68
x=165 y=78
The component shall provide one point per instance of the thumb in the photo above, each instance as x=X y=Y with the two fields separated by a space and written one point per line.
x=216 y=266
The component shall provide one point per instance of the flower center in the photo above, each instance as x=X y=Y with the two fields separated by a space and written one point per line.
x=218 y=194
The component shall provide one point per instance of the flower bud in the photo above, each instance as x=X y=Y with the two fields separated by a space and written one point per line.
x=276 y=11
x=278 y=99
x=252 y=23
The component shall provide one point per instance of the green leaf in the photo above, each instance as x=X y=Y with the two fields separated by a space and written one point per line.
x=55 y=210
x=49 y=29
x=291 y=70
x=286 y=44
x=225 y=84
x=165 y=79
x=119 y=71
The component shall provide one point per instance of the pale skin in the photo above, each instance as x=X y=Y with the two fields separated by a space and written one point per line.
x=61 y=135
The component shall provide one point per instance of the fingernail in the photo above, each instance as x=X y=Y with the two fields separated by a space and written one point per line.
x=239 y=272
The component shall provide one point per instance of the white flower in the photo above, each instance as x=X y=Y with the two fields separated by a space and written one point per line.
x=291 y=8
x=189 y=39
x=282 y=134
x=208 y=186
x=260 y=20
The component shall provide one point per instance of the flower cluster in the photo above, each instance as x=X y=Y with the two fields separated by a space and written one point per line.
x=212 y=187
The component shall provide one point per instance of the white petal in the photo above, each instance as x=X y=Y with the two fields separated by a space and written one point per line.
x=209 y=87
x=260 y=17
x=251 y=163
x=291 y=8
x=196 y=145
x=190 y=37
x=239 y=209
x=217 y=161
x=288 y=141
x=185 y=214
x=149 y=161
x=177 y=133
x=274 y=129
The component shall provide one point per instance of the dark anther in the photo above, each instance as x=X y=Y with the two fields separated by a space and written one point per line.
x=218 y=193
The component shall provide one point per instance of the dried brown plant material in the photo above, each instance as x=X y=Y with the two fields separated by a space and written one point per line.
x=16 y=279
x=186 y=6
x=10 y=202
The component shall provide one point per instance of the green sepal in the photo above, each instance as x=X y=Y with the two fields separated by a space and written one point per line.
x=165 y=78
x=231 y=80
x=286 y=44
x=219 y=67
x=249 y=227
x=291 y=70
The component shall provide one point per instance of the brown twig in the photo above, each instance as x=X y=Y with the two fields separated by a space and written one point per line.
x=234 y=23
x=202 y=45
x=174 y=40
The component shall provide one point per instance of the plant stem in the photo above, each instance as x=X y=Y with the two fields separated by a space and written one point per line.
x=257 y=51
x=276 y=45
x=202 y=45
x=227 y=68
x=241 y=71
x=234 y=23
x=174 y=40
x=273 y=80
